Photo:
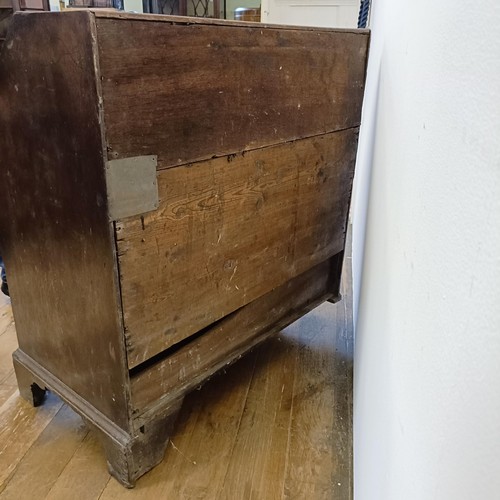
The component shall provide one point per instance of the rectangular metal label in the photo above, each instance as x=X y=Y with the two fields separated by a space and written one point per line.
x=131 y=186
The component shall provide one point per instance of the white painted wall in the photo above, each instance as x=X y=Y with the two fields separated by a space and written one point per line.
x=427 y=367
x=324 y=13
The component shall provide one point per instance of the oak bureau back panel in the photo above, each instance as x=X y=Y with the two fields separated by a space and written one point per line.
x=254 y=131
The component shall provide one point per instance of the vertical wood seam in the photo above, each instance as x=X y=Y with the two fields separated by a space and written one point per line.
x=111 y=226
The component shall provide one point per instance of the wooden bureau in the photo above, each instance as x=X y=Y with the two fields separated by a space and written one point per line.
x=174 y=191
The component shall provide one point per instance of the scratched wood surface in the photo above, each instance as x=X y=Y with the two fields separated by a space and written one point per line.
x=230 y=337
x=276 y=425
x=188 y=91
x=255 y=132
x=54 y=232
x=226 y=232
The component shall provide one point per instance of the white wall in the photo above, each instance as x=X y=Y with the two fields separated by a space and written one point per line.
x=427 y=367
x=325 y=13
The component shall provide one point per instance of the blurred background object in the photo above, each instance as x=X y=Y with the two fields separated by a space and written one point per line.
x=247 y=14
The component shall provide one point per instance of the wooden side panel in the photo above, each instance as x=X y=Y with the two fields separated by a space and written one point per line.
x=191 y=92
x=56 y=241
x=230 y=338
x=228 y=231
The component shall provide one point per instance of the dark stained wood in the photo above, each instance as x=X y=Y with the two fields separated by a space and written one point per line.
x=56 y=241
x=230 y=338
x=228 y=231
x=130 y=459
x=255 y=130
x=191 y=92
x=205 y=21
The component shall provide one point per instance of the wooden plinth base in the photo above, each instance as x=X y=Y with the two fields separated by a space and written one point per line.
x=129 y=454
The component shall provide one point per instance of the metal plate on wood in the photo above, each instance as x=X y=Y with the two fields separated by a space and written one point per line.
x=131 y=185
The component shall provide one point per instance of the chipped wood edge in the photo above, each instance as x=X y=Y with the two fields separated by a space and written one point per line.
x=229 y=23
x=111 y=225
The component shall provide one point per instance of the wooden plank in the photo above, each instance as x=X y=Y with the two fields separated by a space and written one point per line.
x=257 y=466
x=230 y=337
x=6 y=319
x=56 y=240
x=199 y=454
x=20 y=426
x=191 y=92
x=228 y=231
x=181 y=20
x=87 y=462
x=47 y=457
x=342 y=430
x=10 y=380
x=318 y=452
x=6 y=391
x=9 y=345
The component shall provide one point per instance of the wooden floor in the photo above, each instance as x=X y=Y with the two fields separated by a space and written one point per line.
x=277 y=424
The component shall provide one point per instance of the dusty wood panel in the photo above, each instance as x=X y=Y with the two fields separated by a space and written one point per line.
x=191 y=92
x=228 y=231
x=55 y=237
x=180 y=20
x=231 y=337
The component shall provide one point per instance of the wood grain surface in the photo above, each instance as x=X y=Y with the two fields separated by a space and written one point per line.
x=228 y=231
x=246 y=433
x=188 y=92
x=230 y=337
x=255 y=132
x=56 y=241
x=187 y=20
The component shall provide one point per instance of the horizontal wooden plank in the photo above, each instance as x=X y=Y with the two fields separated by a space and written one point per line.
x=187 y=92
x=228 y=231
x=116 y=14
x=231 y=337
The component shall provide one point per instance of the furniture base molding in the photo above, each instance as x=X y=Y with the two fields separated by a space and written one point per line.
x=128 y=455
